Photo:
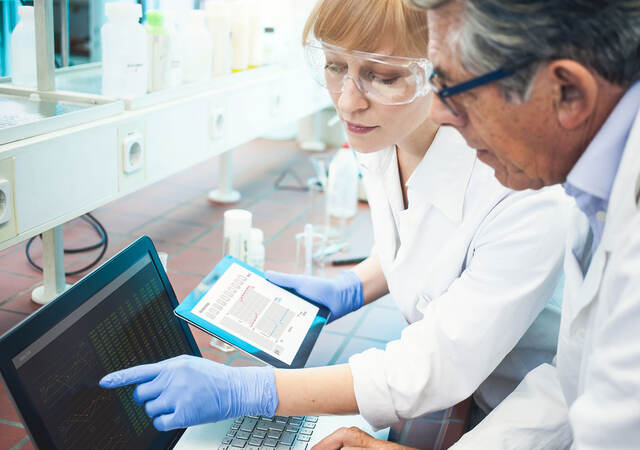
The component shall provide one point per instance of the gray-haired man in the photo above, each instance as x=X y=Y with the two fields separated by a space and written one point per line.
x=548 y=92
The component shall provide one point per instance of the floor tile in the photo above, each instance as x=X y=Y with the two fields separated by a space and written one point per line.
x=240 y=361
x=7 y=410
x=211 y=240
x=198 y=212
x=16 y=261
x=346 y=324
x=324 y=350
x=10 y=435
x=169 y=231
x=382 y=324
x=357 y=345
x=194 y=261
x=214 y=355
x=116 y=221
x=22 y=304
x=182 y=283
x=11 y=284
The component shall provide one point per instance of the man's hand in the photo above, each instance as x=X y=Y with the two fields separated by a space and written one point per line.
x=354 y=438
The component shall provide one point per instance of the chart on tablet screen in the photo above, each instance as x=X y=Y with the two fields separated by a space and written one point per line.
x=264 y=315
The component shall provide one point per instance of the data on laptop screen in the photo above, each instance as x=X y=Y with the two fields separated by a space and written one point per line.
x=129 y=321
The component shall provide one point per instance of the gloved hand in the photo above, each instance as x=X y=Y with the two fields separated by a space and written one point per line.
x=341 y=294
x=187 y=390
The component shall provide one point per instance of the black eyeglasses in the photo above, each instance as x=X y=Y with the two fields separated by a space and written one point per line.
x=443 y=91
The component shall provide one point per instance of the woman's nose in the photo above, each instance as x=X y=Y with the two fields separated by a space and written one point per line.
x=351 y=99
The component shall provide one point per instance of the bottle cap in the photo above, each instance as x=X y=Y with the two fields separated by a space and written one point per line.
x=155 y=18
x=117 y=10
x=25 y=11
x=236 y=221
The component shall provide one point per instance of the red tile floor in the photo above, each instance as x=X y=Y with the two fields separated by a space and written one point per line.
x=177 y=215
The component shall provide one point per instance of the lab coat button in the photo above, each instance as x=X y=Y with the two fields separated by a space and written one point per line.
x=601 y=216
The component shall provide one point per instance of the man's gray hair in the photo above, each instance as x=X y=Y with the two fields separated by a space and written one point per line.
x=602 y=35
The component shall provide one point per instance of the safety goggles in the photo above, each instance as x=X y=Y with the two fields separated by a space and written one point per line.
x=389 y=80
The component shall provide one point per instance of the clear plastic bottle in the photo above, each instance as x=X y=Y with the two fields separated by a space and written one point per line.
x=158 y=51
x=198 y=49
x=235 y=235
x=124 y=51
x=176 y=48
x=23 y=50
x=342 y=189
x=256 y=249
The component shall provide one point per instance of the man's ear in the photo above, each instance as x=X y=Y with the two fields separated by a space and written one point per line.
x=575 y=91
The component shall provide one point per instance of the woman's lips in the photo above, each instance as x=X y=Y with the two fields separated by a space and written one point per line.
x=359 y=129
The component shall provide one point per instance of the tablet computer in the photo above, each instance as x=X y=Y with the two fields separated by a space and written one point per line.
x=238 y=305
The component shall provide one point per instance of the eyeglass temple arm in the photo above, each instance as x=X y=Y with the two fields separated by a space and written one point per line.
x=484 y=79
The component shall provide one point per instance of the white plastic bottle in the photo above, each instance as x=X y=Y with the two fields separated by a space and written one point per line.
x=256 y=249
x=219 y=26
x=176 y=48
x=158 y=47
x=256 y=32
x=240 y=35
x=124 y=51
x=23 y=50
x=270 y=46
x=198 y=51
x=342 y=189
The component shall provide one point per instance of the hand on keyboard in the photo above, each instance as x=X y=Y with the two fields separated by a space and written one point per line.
x=354 y=437
x=187 y=390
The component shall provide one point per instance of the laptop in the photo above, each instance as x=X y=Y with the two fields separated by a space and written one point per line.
x=118 y=316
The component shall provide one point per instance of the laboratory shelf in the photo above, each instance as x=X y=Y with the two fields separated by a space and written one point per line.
x=26 y=113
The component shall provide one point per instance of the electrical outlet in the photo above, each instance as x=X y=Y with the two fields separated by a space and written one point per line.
x=6 y=200
x=276 y=104
x=132 y=152
x=8 y=222
x=217 y=122
x=132 y=155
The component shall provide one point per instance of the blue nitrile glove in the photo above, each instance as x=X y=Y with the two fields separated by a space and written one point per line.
x=187 y=390
x=341 y=294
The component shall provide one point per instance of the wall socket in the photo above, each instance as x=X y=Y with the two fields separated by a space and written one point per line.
x=6 y=201
x=8 y=222
x=131 y=155
x=217 y=122
x=133 y=152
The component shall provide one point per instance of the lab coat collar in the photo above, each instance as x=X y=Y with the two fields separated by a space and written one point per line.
x=623 y=202
x=443 y=175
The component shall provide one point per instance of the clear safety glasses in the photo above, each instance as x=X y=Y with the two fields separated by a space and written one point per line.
x=389 y=80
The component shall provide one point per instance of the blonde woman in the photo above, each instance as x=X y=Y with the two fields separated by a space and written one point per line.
x=469 y=263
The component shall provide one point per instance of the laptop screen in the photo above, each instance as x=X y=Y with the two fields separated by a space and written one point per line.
x=128 y=321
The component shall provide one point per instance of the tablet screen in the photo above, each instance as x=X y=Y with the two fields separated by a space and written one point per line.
x=266 y=316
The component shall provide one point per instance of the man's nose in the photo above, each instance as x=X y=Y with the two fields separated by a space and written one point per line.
x=443 y=115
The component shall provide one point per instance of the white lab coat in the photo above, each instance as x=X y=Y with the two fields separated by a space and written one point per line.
x=470 y=264
x=591 y=398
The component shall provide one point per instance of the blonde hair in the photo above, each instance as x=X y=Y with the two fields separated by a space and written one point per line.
x=364 y=24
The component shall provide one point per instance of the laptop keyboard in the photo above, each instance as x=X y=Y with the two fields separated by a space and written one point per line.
x=279 y=433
